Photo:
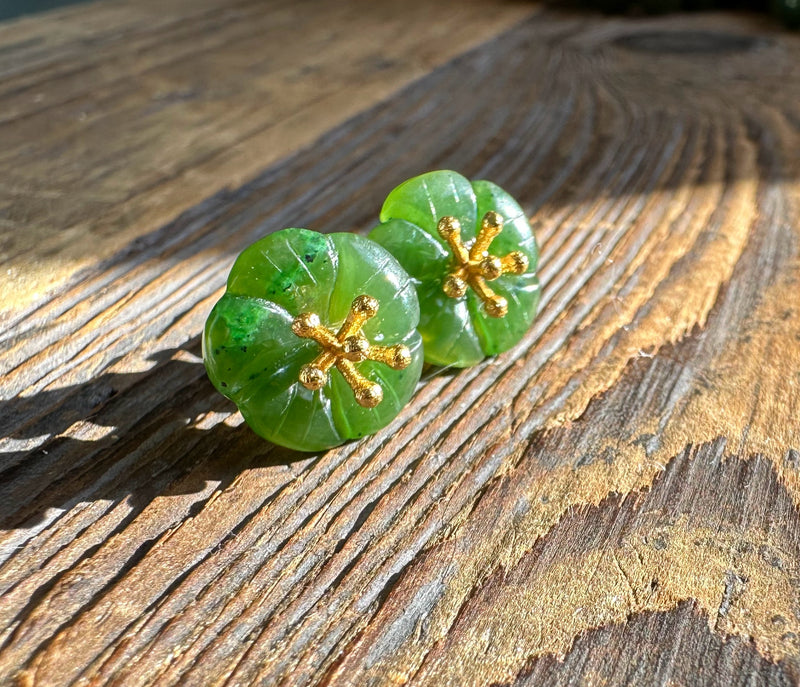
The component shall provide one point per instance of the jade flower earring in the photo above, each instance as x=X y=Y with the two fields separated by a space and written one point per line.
x=473 y=257
x=315 y=338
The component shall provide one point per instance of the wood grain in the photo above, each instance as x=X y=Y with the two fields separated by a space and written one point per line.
x=615 y=501
x=118 y=117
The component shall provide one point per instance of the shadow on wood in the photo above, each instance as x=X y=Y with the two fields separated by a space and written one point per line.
x=137 y=463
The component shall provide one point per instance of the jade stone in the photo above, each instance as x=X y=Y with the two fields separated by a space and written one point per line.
x=458 y=331
x=254 y=357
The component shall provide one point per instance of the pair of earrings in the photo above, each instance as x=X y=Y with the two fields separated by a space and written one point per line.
x=320 y=338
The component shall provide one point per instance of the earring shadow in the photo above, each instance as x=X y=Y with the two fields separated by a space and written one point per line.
x=126 y=436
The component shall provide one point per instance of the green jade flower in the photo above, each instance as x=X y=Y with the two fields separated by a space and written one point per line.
x=315 y=338
x=473 y=256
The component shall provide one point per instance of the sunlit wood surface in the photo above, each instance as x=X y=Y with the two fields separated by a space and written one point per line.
x=613 y=502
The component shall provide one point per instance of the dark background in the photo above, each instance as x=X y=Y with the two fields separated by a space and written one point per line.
x=15 y=8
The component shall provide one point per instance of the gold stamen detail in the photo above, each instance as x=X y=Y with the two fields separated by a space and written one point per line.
x=475 y=266
x=345 y=348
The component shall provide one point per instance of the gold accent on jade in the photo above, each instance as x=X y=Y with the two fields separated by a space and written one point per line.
x=475 y=265
x=346 y=348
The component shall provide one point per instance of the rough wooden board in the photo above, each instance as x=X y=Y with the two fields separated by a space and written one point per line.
x=117 y=116
x=630 y=469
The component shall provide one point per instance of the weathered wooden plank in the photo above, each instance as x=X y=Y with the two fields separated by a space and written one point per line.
x=115 y=119
x=630 y=468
